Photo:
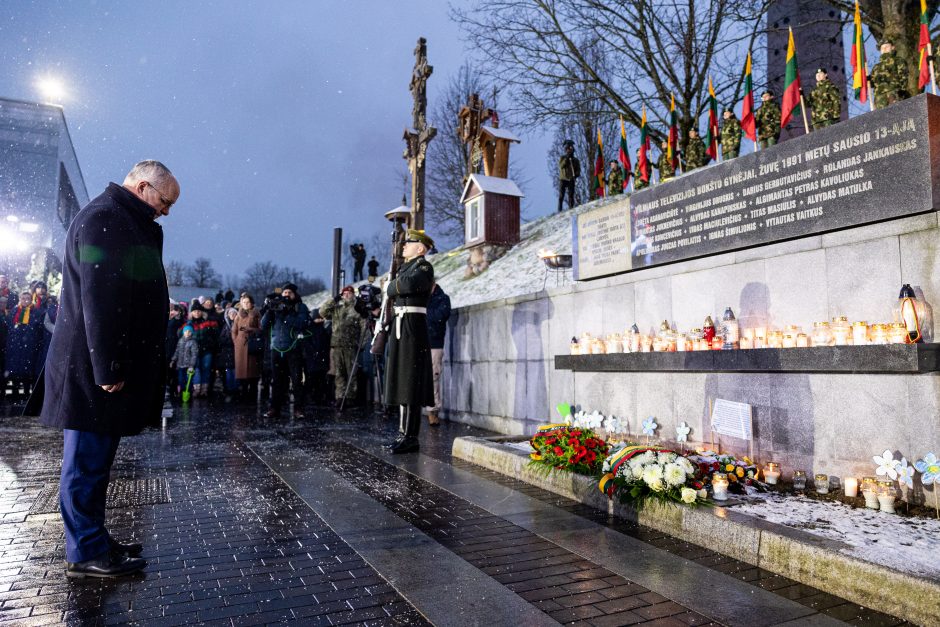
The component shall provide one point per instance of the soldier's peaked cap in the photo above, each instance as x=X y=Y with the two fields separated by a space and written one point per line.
x=821 y=70
x=567 y=143
x=420 y=236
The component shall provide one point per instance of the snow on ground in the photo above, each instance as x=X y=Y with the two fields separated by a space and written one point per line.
x=516 y=273
x=910 y=545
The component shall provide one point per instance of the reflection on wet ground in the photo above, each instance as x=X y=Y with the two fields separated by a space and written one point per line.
x=308 y=521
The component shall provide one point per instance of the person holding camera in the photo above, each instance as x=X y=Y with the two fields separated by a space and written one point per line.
x=286 y=317
x=344 y=311
x=408 y=374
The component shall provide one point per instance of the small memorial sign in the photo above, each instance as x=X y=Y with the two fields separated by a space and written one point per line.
x=603 y=241
x=732 y=418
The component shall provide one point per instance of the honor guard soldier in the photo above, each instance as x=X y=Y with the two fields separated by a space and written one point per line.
x=824 y=101
x=695 y=151
x=730 y=135
x=665 y=166
x=638 y=181
x=615 y=179
x=768 y=117
x=889 y=77
x=409 y=381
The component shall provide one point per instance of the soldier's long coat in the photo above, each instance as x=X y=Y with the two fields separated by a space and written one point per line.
x=112 y=320
x=408 y=375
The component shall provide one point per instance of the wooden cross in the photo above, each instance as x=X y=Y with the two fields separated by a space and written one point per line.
x=420 y=134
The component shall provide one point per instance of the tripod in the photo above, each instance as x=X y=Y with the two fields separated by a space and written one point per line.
x=376 y=375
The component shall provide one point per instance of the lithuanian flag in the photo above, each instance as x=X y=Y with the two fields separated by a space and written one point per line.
x=672 y=149
x=643 y=160
x=599 y=168
x=923 y=46
x=859 y=64
x=711 y=138
x=624 y=154
x=747 y=105
x=791 y=85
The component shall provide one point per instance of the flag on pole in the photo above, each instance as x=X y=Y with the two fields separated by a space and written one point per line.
x=672 y=149
x=624 y=154
x=599 y=168
x=643 y=160
x=859 y=64
x=791 y=85
x=711 y=138
x=747 y=105
x=923 y=63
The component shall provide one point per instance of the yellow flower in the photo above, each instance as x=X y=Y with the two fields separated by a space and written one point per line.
x=732 y=478
x=729 y=467
x=740 y=471
x=535 y=456
x=747 y=460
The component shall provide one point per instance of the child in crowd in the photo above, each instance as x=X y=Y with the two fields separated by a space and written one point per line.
x=186 y=357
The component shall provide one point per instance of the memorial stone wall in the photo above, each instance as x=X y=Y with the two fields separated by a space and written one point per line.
x=813 y=236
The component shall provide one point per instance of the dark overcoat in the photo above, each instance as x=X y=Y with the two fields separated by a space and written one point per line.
x=24 y=345
x=112 y=320
x=409 y=379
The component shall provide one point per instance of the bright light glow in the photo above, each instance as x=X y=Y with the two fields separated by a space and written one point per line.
x=29 y=227
x=12 y=241
x=51 y=89
x=13 y=219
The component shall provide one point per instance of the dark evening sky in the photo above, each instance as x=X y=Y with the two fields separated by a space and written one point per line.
x=281 y=119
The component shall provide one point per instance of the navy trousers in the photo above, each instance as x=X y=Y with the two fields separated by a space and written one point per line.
x=86 y=469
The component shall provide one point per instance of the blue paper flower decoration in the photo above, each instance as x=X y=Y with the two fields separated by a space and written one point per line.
x=929 y=467
x=905 y=473
x=649 y=426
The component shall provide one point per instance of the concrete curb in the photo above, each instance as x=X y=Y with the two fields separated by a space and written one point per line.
x=806 y=558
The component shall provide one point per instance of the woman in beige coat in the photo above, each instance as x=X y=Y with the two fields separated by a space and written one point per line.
x=247 y=369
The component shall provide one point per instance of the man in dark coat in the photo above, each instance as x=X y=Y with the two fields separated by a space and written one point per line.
x=438 y=315
x=105 y=370
x=373 y=268
x=285 y=321
x=408 y=375
x=359 y=255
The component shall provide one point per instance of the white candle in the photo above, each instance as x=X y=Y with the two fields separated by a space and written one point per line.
x=772 y=473
x=851 y=487
x=887 y=502
x=871 y=499
x=720 y=489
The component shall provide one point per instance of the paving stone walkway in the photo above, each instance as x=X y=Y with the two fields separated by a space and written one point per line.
x=310 y=522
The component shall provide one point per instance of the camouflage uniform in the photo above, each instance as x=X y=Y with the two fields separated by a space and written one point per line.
x=695 y=156
x=889 y=79
x=730 y=138
x=825 y=104
x=767 y=118
x=638 y=182
x=615 y=182
x=344 y=342
x=665 y=167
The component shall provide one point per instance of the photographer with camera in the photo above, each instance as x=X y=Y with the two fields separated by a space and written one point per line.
x=285 y=318
x=347 y=314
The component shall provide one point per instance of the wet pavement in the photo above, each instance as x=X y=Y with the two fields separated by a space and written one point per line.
x=251 y=521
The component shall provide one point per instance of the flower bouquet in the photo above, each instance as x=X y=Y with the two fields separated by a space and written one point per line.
x=639 y=473
x=742 y=472
x=564 y=447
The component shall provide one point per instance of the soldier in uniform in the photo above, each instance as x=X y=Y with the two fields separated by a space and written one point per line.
x=344 y=341
x=664 y=165
x=767 y=118
x=889 y=77
x=730 y=135
x=614 y=179
x=409 y=379
x=569 y=169
x=695 y=156
x=824 y=101
x=638 y=182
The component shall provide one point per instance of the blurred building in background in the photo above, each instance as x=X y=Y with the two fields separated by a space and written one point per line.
x=41 y=189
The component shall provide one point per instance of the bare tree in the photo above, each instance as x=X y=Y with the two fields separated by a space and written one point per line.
x=202 y=274
x=261 y=277
x=542 y=49
x=175 y=272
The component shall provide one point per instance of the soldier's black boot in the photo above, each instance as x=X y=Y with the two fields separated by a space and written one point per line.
x=412 y=424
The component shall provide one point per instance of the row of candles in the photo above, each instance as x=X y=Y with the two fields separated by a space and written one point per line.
x=879 y=494
x=837 y=333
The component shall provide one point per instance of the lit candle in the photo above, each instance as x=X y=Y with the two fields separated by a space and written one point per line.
x=747 y=342
x=822 y=484
x=718 y=343
x=720 y=487
x=681 y=342
x=851 y=487
x=870 y=492
x=760 y=332
x=860 y=333
x=799 y=480
x=749 y=334
x=886 y=496
x=789 y=341
x=772 y=473
x=802 y=340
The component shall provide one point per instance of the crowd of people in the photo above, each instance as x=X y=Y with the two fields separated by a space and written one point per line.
x=27 y=319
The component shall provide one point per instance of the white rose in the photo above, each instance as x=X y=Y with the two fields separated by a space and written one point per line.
x=688 y=495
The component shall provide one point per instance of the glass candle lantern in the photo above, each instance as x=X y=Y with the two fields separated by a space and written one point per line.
x=789 y=341
x=730 y=331
x=822 y=334
x=860 y=333
x=878 y=334
x=646 y=344
x=598 y=347
x=822 y=484
x=682 y=342
x=799 y=480
x=792 y=329
x=841 y=331
x=720 y=487
x=772 y=473
x=614 y=343
x=775 y=339
x=746 y=343
x=870 y=492
x=802 y=340
x=718 y=343
x=912 y=312
x=897 y=333
x=575 y=346
x=851 y=487
x=886 y=496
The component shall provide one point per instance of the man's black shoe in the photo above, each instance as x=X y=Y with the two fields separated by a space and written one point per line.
x=132 y=549
x=398 y=440
x=407 y=445
x=106 y=565
x=272 y=413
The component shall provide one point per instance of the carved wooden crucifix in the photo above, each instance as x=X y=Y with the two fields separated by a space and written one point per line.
x=420 y=134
